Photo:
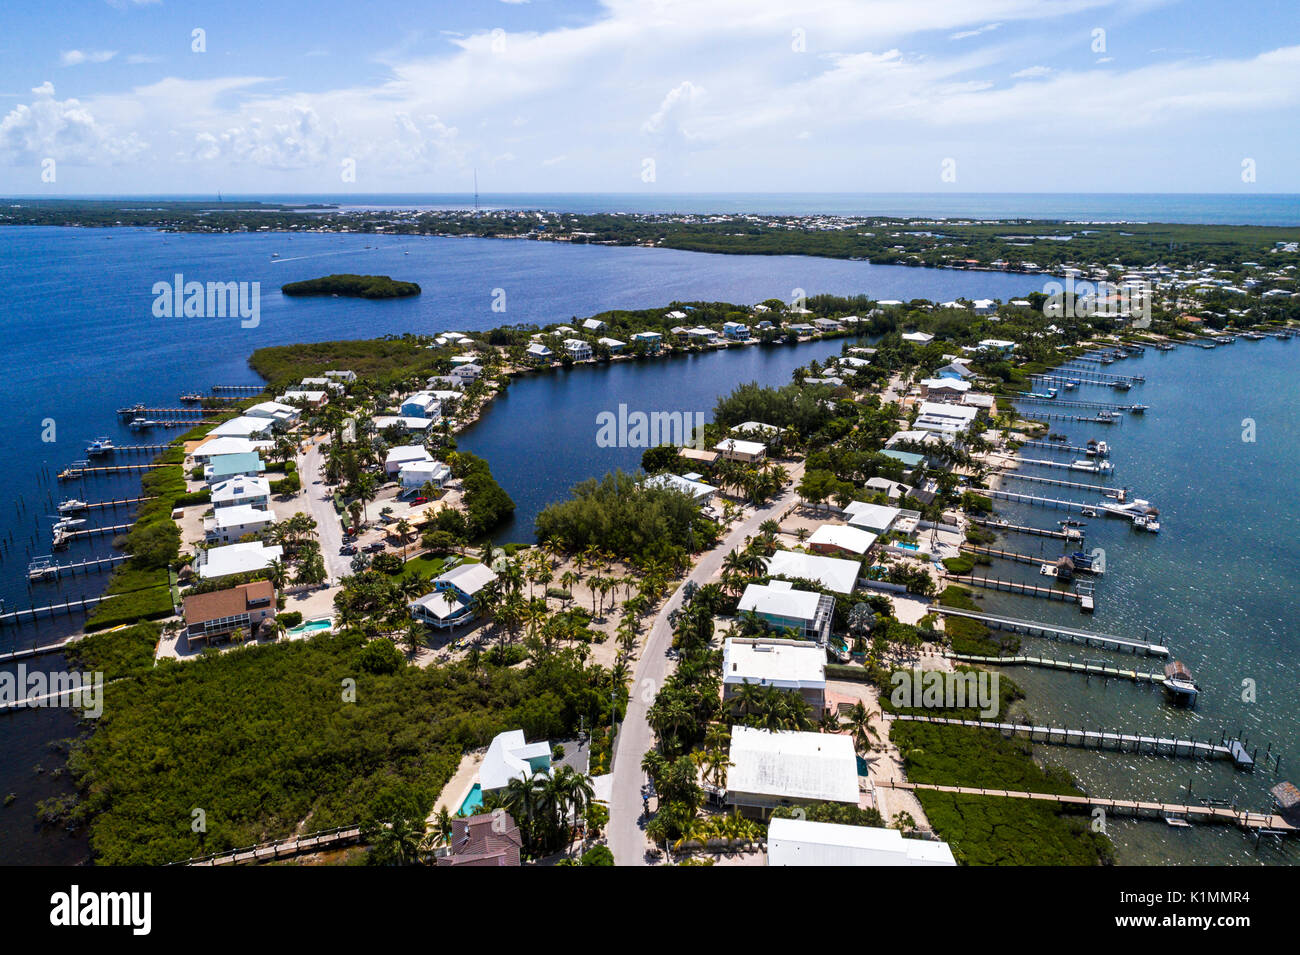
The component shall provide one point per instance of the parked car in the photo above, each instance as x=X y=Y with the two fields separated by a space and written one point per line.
x=420 y=500
x=373 y=547
x=347 y=550
x=349 y=538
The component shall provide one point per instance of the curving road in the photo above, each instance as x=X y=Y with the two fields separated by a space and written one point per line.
x=626 y=827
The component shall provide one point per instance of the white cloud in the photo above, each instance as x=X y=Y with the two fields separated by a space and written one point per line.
x=64 y=130
x=1031 y=72
x=966 y=34
x=78 y=57
x=679 y=98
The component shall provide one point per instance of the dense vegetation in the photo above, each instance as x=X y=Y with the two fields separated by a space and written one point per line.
x=264 y=740
x=353 y=286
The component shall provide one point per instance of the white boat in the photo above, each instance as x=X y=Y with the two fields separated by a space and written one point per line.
x=99 y=446
x=71 y=506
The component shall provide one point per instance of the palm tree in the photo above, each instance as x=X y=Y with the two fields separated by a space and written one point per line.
x=398 y=842
x=858 y=722
x=404 y=532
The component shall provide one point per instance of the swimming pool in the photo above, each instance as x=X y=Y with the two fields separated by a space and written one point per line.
x=472 y=801
x=311 y=626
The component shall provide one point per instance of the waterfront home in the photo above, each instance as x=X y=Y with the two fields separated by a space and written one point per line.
x=746 y=452
x=735 y=331
x=216 y=447
x=782 y=768
x=876 y=518
x=801 y=328
x=700 y=457
x=245 y=426
x=926 y=438
x=342 y=375
x=322 y=384
x=417 y=474
x=984 y=306
x=422 y=404
x=222 y=467
x=399 y=457
x=245 y=558
x=796 y=666
x=806 y=843
x=470 y=371
x=651 y=340
x=593 y=325
x=311 y=397
x=578 y=349
x=539 y=352
x=944 y=417
x=437 y=384
x=832 y=573
x=985 y=403
x=757 y=431
x=468 y=358
x=833 y=380
x=230 y=524
x=908 y=459
x=216 y=615
x=613 y=344
x=236 y=491
x=283 y=415
x=827 y=325
x=702 y=335
x=699 y=492
x=779 y=605
x=452 y=600
x=891 y=489
x=509 y=756
x=488 y=839
x=840 y=539
x=918 y=338
x=999 y=345
x=853 y=362
x=944 y=389
x=957 y=369
x=409 y=424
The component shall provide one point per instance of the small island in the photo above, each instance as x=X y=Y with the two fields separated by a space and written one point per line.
x=354 y=286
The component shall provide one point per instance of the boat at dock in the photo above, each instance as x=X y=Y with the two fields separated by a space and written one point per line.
x=71 y=506
x=100 y=446
x=141 y=424
x=1098 y=449
x=1121 y=385
x=1092 y=467
x=1179 y=684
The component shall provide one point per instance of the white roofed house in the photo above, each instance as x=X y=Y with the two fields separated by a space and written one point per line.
x=509 y=756
x=918 y=338
x=469 y=371
x=593 y=325
x=839 y=539
x=539 y=352
x=228 y=525
x=215 y=447
x=417 y=474
x=409 y=424
x=613 y=344
x=770 y=769
x=422 y=404
x=827 y=325
x=245 y=426
x=452 y=600
x=795 y=666
x=700 y=492
x=701 y=334
x=577 y=349
x=757 y=431
x=984 y=306
x=747 y=452
x=833 y=573
x=237 y=491
x=876 y=518
x=236 y=559
x=944 y=389
x=651 y=340
x=779 y=605
x=283 y=415
x=945 y=417
x=400 y=457
x=803 y=842
x=736 y=331
x=311 y=397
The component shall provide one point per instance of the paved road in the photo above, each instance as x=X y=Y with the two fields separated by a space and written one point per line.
x=626 y=832
x=320 y=501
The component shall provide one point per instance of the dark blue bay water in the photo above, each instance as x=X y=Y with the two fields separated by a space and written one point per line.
x=81 y=341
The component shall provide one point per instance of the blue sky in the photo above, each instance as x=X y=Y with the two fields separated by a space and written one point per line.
x=707 y=95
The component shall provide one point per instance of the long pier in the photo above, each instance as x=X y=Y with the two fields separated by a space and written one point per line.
x=1056 y=482
x=1085 y=378
x=1059 y=446
x=1015 y=587
x=1074 y=666
x=1034 y=499
x=1239 y=817
x=285 y=848
x=1106 y=377
x=253 y=388
x=1018 y=557
x=1051 y=631
x=1070 y=403
x=118 y=502
x=35 y=651
x=1053 y=416
x=69 y=607
x=136 y=448
x=77 y=470
x=1067 y=465
x=1071 y=534
x=1102 y=739
x=140 y=410
x=44 y=568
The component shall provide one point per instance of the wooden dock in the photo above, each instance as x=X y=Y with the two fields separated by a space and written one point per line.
x=1037 y=415
x=139 y=410
x=56 y=647
x=73 y=471
x=68 y=607
x=45 y=569
x=1056 y=446
x=1072 y=403
x=1085 y=378
x=1104 y=377
x=1000 y=495
x=1073 y=666
x=115 y=504
x=1020 y=558
x=136 y=448
x=1051 y=631
x=285 y=848
x=1055 y=482
x=1135 y=807
x=1015 y=587
x=1066 y=465
x=1070 y=534
x=1102 y=739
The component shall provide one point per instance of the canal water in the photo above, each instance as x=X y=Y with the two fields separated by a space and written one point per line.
x=1217 y=584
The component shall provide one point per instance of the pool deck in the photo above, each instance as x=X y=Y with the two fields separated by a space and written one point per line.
x=458 y=787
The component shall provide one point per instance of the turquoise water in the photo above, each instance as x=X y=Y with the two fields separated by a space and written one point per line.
x=471 y=802
x=1217 y=584
x=311 y=626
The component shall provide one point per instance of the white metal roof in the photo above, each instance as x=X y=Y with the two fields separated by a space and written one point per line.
x=779 y=599
x=820 y=767
x=803 y=842
x=236 y=559
x=833 y=573
x=873 y=517
x=788 y=664
x=740 y=447
x=849 y=538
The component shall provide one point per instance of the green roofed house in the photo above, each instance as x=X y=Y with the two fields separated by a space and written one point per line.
x=222 y=467
x=908 y=458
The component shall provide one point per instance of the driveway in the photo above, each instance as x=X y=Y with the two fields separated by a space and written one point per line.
x=320 y=503
x=626 y=828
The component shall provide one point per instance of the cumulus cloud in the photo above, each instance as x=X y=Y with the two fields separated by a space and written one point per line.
x=298 y=141
x=64 y=130
x=78 y=57
x=679 y=98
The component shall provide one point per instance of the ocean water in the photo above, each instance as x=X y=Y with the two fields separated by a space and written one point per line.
x=1237 y=208
x=81 y=341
